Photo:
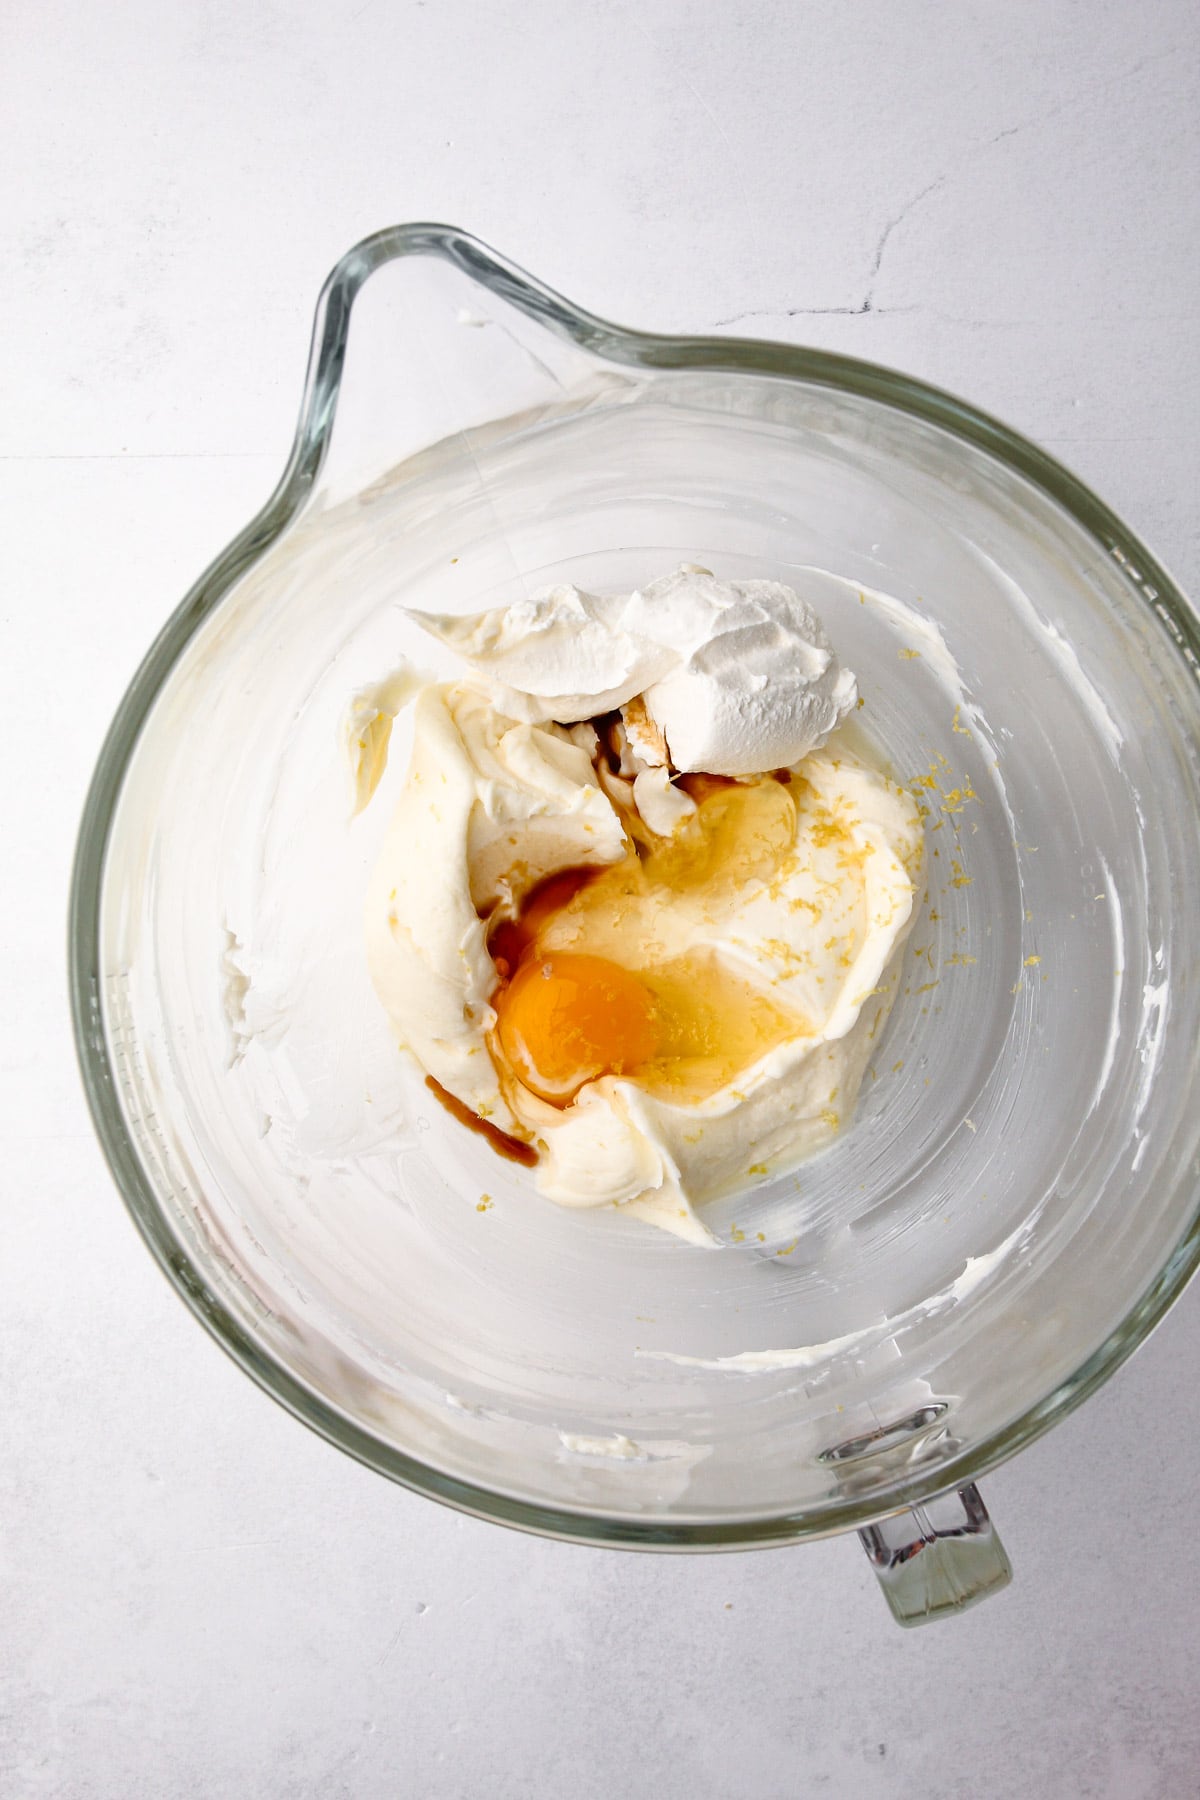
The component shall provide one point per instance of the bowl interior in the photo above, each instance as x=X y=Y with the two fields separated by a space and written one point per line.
x=1022 y=1162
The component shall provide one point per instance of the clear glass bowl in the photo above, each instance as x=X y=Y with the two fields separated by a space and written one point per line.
x=1015 y=1204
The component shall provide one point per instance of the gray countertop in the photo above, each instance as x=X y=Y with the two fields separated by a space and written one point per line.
x=202 y=1599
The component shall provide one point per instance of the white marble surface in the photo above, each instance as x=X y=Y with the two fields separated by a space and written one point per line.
x=202 y=1599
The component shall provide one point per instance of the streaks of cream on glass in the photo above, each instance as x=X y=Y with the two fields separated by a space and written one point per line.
x=619 y=1447
x=975 y=1272
x=1120 y=952
x=1066 y=658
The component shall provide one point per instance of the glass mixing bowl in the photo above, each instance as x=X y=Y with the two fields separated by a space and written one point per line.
x=1015 y=1203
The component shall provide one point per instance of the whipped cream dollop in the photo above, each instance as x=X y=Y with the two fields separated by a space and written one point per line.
x=735 y=678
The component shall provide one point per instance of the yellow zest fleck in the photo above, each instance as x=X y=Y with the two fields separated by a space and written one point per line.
x=957 y=878
x=961 y=729
x=830 y=1118
x=957 y=798
x=737 y=1234
x=1031 y=962
x=757 y=1169
x=484 y=1203
x=909 y=655
x=788 y=1248
x=958 y=960
x=826 y=829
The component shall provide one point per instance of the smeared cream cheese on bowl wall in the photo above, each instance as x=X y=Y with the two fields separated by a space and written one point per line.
x=640 y=909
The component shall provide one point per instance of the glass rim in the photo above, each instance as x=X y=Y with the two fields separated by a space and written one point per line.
x=652 y=352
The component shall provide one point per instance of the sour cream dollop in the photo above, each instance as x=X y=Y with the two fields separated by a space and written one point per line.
x=738 y=677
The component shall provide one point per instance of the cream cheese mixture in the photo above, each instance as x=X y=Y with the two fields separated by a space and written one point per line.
x=639 y=911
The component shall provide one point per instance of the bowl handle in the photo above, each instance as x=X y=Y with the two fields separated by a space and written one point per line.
x=939 y=1558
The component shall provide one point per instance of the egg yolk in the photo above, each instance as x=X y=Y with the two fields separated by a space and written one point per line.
x=565 y=1020
x=591 y=983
